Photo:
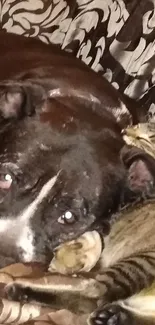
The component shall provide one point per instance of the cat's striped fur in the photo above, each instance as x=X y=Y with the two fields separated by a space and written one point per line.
x=128 y=261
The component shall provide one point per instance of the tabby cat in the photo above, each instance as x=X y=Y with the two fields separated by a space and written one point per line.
x=128 y=261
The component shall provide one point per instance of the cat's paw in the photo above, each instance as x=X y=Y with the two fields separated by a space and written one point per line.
x=111 y=314
x=16 y=292
x=78 y=255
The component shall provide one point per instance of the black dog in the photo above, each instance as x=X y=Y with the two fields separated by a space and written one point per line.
x=61 y=169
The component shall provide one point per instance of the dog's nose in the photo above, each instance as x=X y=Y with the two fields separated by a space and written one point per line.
x=37 y=267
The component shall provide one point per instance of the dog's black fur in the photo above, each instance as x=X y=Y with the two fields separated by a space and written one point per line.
x=57 y=118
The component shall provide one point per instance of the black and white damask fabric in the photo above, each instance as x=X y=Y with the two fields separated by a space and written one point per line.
x=114 y=37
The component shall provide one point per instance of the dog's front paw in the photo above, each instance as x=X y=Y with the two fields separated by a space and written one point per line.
x=16 y=292
x=111 y=314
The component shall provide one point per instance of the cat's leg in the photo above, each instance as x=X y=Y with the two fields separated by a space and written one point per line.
x=77 y=294
x=136 y=310
x=123 y=280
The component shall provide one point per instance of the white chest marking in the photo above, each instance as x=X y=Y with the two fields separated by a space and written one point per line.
x=19 y=227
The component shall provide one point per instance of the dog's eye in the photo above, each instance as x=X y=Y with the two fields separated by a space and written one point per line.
x=5 y=181
x=67 y=218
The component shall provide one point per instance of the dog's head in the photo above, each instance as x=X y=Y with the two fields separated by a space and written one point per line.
x=60 y=174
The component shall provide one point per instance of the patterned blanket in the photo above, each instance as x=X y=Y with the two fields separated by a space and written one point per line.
x=113 y=37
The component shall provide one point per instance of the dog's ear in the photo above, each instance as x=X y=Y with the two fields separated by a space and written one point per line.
x=11 y=102
x=15 y=102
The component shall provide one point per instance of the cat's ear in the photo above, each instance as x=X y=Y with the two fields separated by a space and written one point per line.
x=140 y=178
x=140 y=171
x=15 y=102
